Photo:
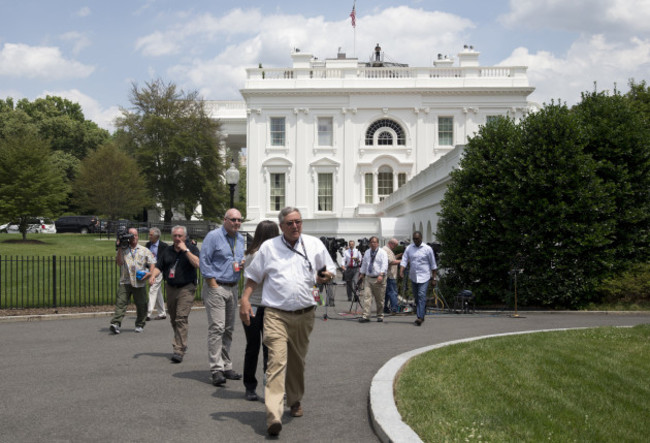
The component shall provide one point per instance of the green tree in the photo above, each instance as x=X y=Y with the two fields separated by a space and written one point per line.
x=31 y=184
x=527 y=197
x=177 y=145
x=618 y=139
x=63 y=123
x=109 y=183
x=639 y=94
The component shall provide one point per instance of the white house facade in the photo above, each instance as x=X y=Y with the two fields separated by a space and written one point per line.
x=363 y=148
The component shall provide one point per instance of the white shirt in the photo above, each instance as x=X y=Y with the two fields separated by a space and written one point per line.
x=379 y=266
x=354 y=252
x=285 y=272
x=421 y=260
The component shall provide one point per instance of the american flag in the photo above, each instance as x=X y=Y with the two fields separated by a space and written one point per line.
x=353 y=15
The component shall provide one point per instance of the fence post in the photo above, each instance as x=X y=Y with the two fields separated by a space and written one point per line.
x=54 y=281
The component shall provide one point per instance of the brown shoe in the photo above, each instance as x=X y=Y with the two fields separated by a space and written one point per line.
x=296 y=410
x=274 y=429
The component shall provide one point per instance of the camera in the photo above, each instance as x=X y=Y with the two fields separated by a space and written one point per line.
x=123 y=238
x=363 y=245
x=333 y=245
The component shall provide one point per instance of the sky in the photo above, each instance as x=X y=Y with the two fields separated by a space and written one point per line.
x=93 y=52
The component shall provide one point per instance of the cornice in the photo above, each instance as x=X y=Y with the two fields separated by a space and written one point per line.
x=474 y=91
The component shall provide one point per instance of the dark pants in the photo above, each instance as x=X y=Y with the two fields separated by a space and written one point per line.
x=140 y=298
x=254 y=333
x=390 y=303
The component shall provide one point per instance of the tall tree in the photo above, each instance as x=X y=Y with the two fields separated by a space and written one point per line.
x=177 y=145
x=31 y=184
x=109 y=183
x=527 y=197
x=618 y=138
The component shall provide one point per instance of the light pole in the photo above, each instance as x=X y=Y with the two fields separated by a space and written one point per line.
x=232 y=178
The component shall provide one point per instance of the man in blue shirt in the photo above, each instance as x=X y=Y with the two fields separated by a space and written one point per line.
x=222 y=258
x=423 y=268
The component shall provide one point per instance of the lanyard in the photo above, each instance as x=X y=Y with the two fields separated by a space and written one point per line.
x=233 y=245
x=311 y=269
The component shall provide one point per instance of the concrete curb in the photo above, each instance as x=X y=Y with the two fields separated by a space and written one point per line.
x=48 y=317
x=386 y=419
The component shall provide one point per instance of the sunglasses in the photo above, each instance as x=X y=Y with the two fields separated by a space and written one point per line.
x=236 y=220
x=293 y=222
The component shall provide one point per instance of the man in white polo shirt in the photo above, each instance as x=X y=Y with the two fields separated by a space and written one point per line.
x=289 y=265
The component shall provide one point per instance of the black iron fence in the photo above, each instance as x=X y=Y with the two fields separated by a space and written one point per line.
x=55 y=281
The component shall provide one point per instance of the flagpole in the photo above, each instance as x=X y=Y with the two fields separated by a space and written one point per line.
x=353 y=16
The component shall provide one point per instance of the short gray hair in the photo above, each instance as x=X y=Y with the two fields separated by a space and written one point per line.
x=155 y=231
x=286 y=211
x=180 y=227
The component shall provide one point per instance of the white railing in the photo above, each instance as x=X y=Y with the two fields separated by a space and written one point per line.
x=384 y=73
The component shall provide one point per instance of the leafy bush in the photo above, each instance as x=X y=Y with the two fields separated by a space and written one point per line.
x=631 y=286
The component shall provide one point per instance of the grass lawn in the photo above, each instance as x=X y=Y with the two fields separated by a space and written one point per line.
x=581 y=385
x=73 y=245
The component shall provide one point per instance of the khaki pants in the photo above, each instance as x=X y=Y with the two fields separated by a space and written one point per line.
x=179 y=305
x=376 y=290
x=221 y=307
x=286 y=334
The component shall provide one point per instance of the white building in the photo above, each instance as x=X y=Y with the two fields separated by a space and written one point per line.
x=337 y=137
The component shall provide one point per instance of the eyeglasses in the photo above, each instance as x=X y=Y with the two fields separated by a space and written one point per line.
x=236 y=220
x=293 y=222
x=177 y=235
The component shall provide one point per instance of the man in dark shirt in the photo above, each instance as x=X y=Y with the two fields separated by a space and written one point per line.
x=178 y=265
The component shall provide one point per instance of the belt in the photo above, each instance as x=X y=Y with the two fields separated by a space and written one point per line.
x=225 y=283
x=298 y=311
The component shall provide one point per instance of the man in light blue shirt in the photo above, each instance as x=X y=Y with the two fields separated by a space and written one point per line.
x=374 y=266
x=222 y=258
x=419 y=257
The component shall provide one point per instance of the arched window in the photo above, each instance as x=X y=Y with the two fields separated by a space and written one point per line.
x=385 y=128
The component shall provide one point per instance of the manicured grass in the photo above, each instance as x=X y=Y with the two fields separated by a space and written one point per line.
x=580 y=385
x=69 y=245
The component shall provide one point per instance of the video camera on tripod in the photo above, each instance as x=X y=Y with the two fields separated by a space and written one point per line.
x=363 y=245
x=333 y=245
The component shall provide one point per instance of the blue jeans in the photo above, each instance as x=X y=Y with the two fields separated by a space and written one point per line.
x=391 y=295
x=420 y=295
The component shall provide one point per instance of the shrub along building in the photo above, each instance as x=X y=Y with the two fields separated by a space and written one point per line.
x=363 y=148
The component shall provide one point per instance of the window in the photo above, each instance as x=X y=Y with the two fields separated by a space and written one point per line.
x=368 y=188
x=325 y=131
x=401 y=179
x=382 y=138
x=384 y=182
x=325 y=191
x=277 y=131
x=385 y=138
x=277 y=192
x=445 y=130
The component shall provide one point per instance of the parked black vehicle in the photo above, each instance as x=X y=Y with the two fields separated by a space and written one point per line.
x=82 y=224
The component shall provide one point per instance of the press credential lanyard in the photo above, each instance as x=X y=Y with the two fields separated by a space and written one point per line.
x=311 y=269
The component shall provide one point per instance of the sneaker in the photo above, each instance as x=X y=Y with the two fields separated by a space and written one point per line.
x=139 y=329
x=147 y=319
x=274 y=429
x=232 y=375
x=251 y=395
x=218 y=379
x=160 y=317
x=364 y=320
x=296 y=410
x=379 y=320
x=115 y=328
x=177 y=358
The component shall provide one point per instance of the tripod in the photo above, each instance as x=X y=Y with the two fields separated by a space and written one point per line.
x=358 y=287
x=329 y=296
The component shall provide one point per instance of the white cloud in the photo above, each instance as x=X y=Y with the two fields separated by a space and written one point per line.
x=79 y=41
x=83 y=12
x=405 y=35
x=589 y=59
x=590 y=16
x=20 y=60
x=104 y=117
